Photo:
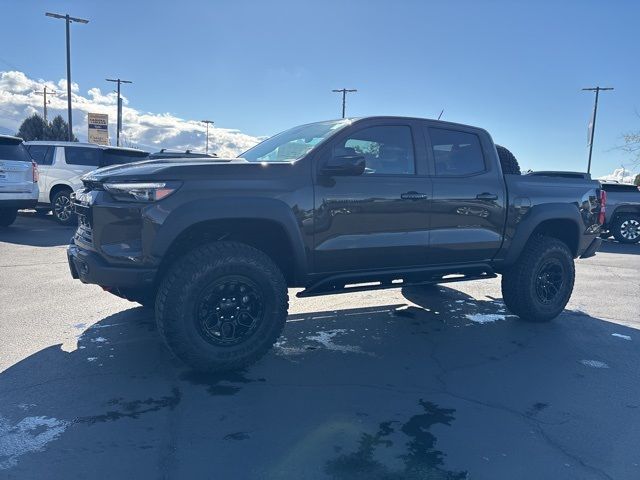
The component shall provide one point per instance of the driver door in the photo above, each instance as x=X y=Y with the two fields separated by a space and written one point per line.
x=379 y=219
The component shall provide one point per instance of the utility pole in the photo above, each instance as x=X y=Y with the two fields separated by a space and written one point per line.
x=44 y=94
x=593 y=120
x=207 y=122
x=68 y=21
x=344 y=92
x=119 y=119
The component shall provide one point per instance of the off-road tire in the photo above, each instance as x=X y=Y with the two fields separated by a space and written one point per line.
x=508 y=161
x=7 y=216
x=617 y=227
x=63 y=196
x=519 y=287
x=145 y=297
x=182 y=287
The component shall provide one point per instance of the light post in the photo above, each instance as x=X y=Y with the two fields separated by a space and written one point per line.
x=68 y=21
x=119 y=118
x=207 y=122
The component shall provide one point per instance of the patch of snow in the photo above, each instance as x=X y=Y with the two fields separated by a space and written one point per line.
x=99 y=340
x=619 y=335
x=91 y=359
x=31 y=434
x=325 y=338
x=485 y=317
x=594 y=364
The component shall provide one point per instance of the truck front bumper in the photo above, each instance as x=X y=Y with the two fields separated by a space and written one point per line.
x=88 y=267
x=592 y=248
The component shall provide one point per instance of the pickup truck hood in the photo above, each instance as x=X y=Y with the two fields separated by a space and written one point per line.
x=171 y=169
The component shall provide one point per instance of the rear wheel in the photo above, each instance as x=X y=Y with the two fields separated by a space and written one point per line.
x=222 y=306
x=7 y=216
x=538 y=286
x=62 y=208
x=626 y=228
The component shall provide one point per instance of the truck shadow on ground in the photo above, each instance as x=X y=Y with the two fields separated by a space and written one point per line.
x=36 y=231
x=403 y=391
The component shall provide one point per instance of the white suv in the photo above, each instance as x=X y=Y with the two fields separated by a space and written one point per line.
x=18 y=179
x=62 y=165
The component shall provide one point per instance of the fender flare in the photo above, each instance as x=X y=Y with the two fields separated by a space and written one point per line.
x=230 y=208
x=534 y=218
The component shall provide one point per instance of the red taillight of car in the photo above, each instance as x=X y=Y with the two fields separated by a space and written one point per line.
x=603 y=206
x=35 y=172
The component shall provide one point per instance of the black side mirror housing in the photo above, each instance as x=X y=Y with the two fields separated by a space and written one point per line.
x=344 y=165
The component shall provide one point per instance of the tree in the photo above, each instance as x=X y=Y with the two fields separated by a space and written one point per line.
x=58 y=130
x=33 y=128
x=636 y=181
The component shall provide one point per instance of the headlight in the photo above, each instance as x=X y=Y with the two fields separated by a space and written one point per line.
x=141 y=191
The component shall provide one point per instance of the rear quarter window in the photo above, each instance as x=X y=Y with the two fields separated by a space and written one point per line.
x=14 y=151
x=41 y=154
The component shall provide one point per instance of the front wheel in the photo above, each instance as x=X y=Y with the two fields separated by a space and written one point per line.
x=62 y=208
x=538 y=286
x=222 y=306
x=7 y=216
x=626 y=228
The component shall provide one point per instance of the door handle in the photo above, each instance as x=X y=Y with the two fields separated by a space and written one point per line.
x=414 y=196
x=487 y=196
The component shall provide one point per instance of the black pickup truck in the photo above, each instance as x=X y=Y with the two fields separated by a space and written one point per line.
x=329 y=207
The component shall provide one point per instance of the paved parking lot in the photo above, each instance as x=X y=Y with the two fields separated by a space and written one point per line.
x=400 y=384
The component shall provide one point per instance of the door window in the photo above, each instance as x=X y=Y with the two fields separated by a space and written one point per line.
x=388 y=150
x=83 y=156
x=456 y=153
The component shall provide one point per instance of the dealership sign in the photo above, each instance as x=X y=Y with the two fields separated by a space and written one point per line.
x=99 y=128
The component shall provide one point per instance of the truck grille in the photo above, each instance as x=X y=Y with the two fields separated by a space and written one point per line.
x=84 y=233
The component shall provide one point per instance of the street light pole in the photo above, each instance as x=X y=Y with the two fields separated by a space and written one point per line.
x=207 y=122
x=68 y=21
x=593 y=120
x=119 y=118
x=44 y=93
x=344 y=92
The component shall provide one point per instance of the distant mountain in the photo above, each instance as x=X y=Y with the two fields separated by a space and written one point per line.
x=620 y=175
x=6 y=131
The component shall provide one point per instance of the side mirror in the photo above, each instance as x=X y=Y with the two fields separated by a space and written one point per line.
x=344 y=165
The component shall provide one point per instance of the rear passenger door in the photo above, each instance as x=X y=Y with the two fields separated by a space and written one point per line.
x=468 y=205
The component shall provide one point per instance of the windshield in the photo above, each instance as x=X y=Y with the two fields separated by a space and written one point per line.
x=294 y=143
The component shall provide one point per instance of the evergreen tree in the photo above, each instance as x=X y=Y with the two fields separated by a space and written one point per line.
x=58 y=130
x=33 y=128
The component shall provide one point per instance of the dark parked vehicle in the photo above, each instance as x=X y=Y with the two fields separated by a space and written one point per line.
x=622 y=219
x=331 y=207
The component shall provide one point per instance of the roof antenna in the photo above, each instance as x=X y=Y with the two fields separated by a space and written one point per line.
x=441 y=112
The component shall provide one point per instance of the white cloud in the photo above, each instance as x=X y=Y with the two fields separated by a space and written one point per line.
x=147 y=130
x=620 y=175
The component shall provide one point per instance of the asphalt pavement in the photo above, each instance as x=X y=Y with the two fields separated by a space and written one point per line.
x=411 y=383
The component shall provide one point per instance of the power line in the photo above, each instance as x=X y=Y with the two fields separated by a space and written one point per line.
x=119 y=119
x=68 y=20
x=593 y=120
x=344 y=92
x=44 y=94
x=207 y=122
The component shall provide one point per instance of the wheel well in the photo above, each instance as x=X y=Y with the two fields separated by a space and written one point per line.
x=625 y=210
x=265 y=235
x=564 y=230
x=58 y=188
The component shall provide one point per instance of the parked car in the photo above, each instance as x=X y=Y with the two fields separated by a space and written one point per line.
x=61 y=166
x=168 y=153
x=622 y=219
x=18 y=179
x=330 y=207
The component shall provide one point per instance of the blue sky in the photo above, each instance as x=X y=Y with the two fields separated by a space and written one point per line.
x=514 y=68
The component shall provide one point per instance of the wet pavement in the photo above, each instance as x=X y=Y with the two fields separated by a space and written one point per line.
x=413 y=383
